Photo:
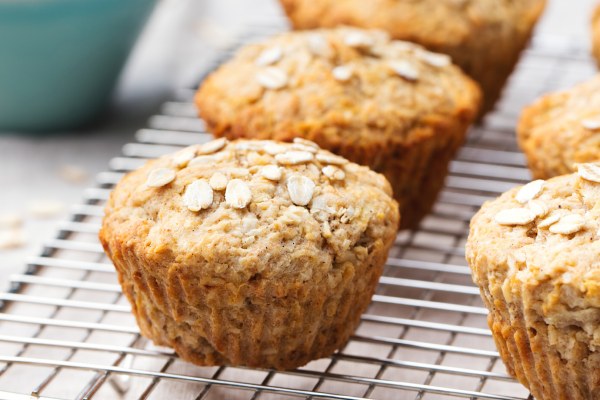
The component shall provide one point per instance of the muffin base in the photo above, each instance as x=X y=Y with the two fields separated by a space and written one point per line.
x=529 y=356
x=284 y=334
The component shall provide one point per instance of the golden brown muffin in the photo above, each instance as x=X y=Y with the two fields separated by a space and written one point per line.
x=389 y=105
x=596 y=34
x=535 y=254
x=250 y=253
x=561 y=129
x=483 y=37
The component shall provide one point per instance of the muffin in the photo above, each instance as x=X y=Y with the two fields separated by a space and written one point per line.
x=250 y=253
x=483 y=37
x=535 y=254
x=596 y=34
x=561 y=129
x=388 y=105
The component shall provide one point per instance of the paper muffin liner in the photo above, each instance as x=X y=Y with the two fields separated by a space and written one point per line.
x=523 y=342
x=311 y=322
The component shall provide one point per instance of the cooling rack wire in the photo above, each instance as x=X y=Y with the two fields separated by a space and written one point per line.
x=66 y=331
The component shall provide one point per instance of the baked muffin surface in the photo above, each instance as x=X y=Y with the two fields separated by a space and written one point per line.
x=538 y=269
x=273 y=270
x=483 y=37
x=561 y=129
x=392 y=106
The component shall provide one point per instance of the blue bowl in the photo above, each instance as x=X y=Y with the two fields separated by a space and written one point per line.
x=60 y=59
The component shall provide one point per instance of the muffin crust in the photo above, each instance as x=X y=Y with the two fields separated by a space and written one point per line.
x=263 y=282
x=389 y=105
x=483 y=37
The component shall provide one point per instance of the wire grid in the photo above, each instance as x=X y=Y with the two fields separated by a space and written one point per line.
x=66 y=330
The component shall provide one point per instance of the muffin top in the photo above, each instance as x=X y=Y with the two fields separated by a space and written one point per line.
x=247 y=209
x=345 y=84
x=561 y=129
x=540 y=244
x=429 y=22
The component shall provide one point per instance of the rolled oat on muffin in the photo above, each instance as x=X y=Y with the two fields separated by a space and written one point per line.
x=561 y=129
x=535 y=254
x=393 y=106
x=250 y=253
x=483 y=37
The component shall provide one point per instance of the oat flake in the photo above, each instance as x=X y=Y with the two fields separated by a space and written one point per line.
x=73 y=173
x=318 y=45
x=331 y=159
x=357 y=39
x=269 y=56
x=274 y=149
x=404 y=69
x=294 y=157
x=201 y=160
x=301 y=189
x=530 y=191
x=591 y=123
x=433 y=59
x=271 y=172
x=184 y=158
x=568 y=224
x=198 y=196
x=160 y=177
x=549 y=221
x=10 y=220
x=538 y=207
x=272 y=78
x=238 y=194
x=12 y=239
x=589 y=172
x=333 y=173
x=306 y=142
x=342 y=73
x=515 y=216
x=46 y=208
x=212 y=146
x=302 y=147
x=218 y=181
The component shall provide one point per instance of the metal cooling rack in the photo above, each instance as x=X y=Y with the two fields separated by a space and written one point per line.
x=66 y=330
